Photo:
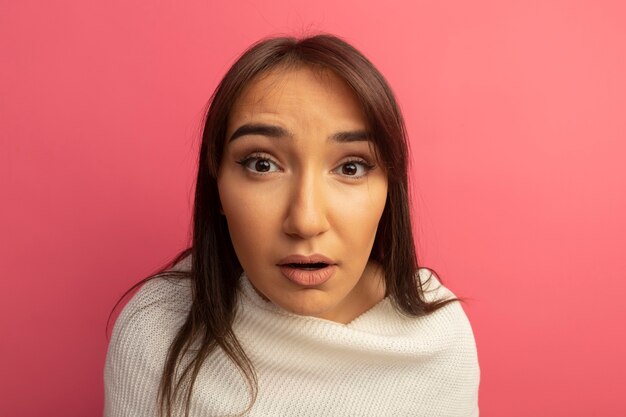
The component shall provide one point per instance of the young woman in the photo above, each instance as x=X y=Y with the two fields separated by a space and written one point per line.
x=301 y=294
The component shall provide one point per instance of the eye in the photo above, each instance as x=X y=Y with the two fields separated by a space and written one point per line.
x=356 y=168
x=258 y=164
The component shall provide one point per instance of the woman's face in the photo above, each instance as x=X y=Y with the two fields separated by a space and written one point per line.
x=303 y=193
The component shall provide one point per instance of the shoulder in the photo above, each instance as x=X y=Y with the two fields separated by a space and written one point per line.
x=451 y=315
x=160 y=300
x=139 y=344
x=432 y=287
x=452 y=326
x=164 y=299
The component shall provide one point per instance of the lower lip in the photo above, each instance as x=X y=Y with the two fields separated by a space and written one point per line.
x=306 y=278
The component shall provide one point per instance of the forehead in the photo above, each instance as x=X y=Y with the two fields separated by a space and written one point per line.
x=302 y=89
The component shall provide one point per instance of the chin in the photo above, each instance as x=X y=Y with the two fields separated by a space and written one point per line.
x=309 y=305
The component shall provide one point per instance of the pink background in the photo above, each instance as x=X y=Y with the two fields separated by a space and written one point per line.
x=516 y=114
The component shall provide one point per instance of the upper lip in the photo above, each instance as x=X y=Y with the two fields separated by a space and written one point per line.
x=306 y=259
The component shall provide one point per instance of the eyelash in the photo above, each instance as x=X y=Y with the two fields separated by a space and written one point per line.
x=252 y=157
x=367 y=166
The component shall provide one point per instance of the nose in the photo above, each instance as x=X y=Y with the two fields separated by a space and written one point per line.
x=307 y=209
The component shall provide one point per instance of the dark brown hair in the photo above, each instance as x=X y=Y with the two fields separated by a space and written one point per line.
x=215 y=269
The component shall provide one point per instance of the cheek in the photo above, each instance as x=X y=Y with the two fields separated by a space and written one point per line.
x=358 y=213
x=250 y=216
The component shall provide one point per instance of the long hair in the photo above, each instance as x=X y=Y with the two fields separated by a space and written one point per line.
x=215 y=269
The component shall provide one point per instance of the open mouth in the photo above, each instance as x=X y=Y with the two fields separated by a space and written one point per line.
x=307 y=271
x=307 y=266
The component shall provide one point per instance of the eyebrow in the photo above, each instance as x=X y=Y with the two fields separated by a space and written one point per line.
x=352 y=136
x=273 y=131
x=259 y=129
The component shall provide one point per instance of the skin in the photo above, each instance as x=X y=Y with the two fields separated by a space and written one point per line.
x=293 y=188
